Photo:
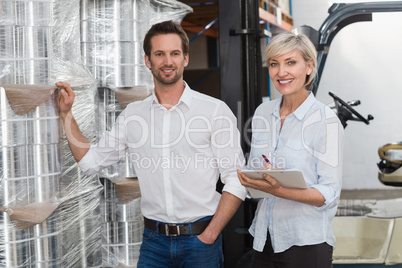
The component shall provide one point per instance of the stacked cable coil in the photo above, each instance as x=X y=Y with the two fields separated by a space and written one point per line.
x=47 y=220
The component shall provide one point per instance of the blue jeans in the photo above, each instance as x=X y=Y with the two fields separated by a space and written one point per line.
x=184 y=251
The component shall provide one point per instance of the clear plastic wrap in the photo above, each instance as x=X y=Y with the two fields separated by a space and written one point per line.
x=43 y=209
x=50 y=211
x=123 y=224
x=112 y=35
x=51 y=214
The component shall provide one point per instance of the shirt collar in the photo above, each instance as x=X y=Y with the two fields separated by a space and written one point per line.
x=301 y=111
x=185 y=98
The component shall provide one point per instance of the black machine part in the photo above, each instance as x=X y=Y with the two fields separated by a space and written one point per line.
x=345 y=111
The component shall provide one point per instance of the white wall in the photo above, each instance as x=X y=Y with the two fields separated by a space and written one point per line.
x=365 y=63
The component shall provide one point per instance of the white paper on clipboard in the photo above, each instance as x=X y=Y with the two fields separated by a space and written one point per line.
x=287 y=178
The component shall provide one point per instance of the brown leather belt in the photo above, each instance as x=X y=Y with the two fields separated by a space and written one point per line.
x=172 y=229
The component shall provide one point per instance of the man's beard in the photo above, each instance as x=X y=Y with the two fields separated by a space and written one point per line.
x=166 y=80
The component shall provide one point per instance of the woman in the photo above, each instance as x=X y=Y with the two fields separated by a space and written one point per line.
x=294 y=228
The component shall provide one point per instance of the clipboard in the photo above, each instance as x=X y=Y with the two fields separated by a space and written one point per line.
x=288 y=179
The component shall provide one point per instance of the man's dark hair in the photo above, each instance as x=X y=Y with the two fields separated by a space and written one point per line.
x=166 y=27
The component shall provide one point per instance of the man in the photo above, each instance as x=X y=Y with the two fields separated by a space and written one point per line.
x=179 y=142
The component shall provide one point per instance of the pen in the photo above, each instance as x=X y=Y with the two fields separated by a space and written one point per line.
x=266 y=159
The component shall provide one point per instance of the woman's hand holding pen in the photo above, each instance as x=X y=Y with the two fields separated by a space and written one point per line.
x=267 y=184
x=268 y=164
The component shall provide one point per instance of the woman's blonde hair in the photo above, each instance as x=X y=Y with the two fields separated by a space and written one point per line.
x=286 y=42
